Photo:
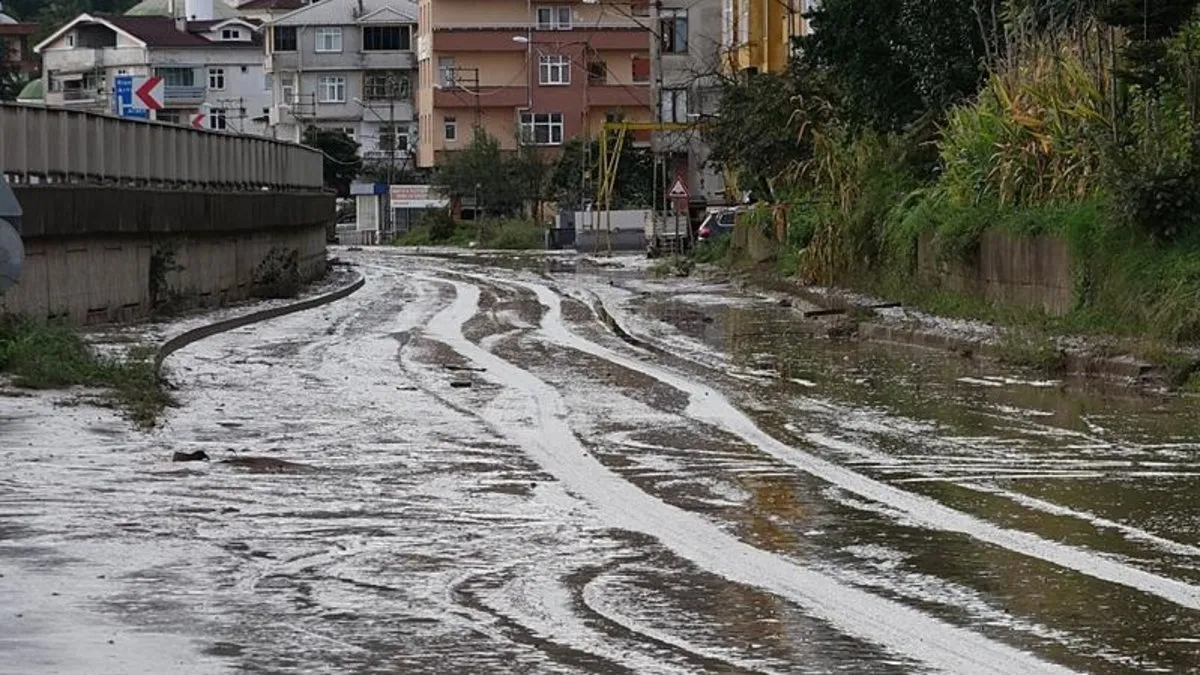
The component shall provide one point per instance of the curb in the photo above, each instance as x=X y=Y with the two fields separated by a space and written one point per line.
x=196 y=334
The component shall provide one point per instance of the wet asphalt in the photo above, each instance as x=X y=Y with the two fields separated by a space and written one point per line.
x=462 y=469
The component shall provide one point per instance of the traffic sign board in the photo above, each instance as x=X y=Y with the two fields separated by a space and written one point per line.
x=126 y=89
x=198 y=120
x=678 y=189
x=149 y=93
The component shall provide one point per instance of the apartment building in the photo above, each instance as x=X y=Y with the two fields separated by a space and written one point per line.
x=758 y=34
x=686 y=68
x=537 y=73
x=17 y=54
x=347 y=65
x=212 y=68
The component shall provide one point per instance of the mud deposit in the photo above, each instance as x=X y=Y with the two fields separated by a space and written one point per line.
x=460 y=469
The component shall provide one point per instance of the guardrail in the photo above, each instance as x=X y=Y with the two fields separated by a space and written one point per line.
x=49 y=145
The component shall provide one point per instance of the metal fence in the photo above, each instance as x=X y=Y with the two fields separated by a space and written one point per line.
x=48 y=145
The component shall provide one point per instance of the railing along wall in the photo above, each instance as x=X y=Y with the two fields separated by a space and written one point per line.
x=50 y=145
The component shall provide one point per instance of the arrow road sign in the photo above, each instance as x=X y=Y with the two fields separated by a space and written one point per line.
x=679 y=190
x=150 y=93
x=198 y=120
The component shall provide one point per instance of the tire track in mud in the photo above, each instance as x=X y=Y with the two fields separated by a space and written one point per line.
x=711 y=407
x=551 y=442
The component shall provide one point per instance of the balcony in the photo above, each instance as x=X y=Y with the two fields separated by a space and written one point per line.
x=373 y=60
x=626 y=37
x=175 y=95
x=70 y=96
x=489 y=97
x=385 y=155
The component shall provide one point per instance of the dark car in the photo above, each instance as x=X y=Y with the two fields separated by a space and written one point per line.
x=717 y=225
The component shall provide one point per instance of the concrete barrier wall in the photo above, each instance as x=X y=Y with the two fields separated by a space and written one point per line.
x=91 y=252
x=107 y=278
x=1023 y=272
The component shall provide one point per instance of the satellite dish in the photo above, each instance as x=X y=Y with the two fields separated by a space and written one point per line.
x=12 y=255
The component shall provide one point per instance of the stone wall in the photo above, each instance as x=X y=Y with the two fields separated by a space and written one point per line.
x=1022 y=272
x=91 y=253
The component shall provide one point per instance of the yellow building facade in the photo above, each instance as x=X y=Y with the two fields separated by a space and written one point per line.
x=758 y=34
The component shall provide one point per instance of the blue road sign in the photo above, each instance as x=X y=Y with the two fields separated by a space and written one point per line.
x=123 y=95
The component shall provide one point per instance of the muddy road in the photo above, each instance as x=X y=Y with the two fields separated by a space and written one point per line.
x=492 y=480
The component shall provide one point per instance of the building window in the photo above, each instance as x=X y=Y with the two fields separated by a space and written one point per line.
x=673 y=29
x=177 y=77
x=284 y=38
x=387 y=39
x=393 y=137
x=332 y=89
x=329 y=39
x=385 y=86
x=451 y=129
x=641 y=69
x=267 y=83
x=216 y=119
x=597 y=72
x=216 y=79
x=542 y=128
x=554 y=18
x=674 y=105
x=287 y=88
x=168 y=116
x=70 y=39
x=446 y=70
x=554 y=69
x=231 y=34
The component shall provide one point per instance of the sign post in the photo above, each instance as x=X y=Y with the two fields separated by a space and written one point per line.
x=678 y=189
x=138 y=97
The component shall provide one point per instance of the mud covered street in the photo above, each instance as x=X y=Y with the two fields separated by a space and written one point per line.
x=494 y=481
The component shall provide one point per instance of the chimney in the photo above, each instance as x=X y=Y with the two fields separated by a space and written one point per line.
x=198 y=10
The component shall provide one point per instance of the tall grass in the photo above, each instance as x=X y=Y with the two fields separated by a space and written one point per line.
x=47 y=355
x=509 y=234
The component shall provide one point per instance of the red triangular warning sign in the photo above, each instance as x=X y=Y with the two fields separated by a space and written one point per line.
x=678 y=190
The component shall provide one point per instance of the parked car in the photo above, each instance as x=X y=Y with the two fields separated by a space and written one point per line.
x=718 y=224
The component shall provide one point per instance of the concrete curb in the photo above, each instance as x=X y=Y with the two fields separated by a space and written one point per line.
x=196 y=334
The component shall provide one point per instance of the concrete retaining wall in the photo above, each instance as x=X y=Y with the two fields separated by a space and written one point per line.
x=1023 y=272
x=90 y=251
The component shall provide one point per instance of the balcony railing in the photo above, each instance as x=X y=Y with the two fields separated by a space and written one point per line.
x=182 y=94
x=80 y=95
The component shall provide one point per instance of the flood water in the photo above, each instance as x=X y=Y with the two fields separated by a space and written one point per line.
x=503 y=484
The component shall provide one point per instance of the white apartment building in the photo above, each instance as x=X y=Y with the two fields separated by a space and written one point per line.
x=212 y=67
x=347 y=65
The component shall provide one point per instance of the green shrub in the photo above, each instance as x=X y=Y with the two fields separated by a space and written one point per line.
x=513 y=235
x=50 y=355
x=439 y=223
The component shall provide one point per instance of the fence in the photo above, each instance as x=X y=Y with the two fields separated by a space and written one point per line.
x=46 y=145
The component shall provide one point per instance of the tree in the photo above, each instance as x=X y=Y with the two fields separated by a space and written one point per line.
x=342 y=163
x=12 y=79
x=531 y=175
x=481 y=169
x=895 y=62
x=634 y=186
x=757 y=133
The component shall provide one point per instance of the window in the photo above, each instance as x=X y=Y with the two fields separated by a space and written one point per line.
x=673 y=29
x=231 y=34
x=216 y=119
x=267 y=83
x=641 y=69
x=675 y=105
x=216 y=79
x=597 y=72
x=451 y=129
x=329 y=39
x=284 y=38
x=542 y=128
x=554 y=18
x=446 y=70
x=554 y=69
x=70 y=39
x=177 y=77
x=393 y=137
x=168 y=116
x=385 y=86
x=287 y=88
x=351 y=132
x=331 y=89
x=387 y=39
